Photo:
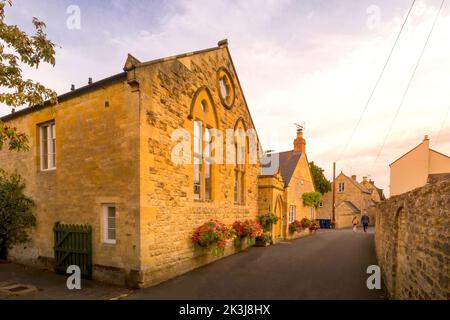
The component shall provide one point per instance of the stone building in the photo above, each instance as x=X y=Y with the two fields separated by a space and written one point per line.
x=413 y=169
x=412 y=242
x=104 y=157
x=353 y=198
x=281 y=188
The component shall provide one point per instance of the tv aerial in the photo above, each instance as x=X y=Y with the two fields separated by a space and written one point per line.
x=300 y=127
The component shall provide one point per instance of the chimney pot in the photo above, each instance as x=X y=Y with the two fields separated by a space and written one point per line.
x=426 y=138
x=90 y=81
x=300 y=142
x=364 y=179
x=72 y=87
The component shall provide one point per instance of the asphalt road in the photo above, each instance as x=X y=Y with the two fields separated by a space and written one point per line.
x=330 y=264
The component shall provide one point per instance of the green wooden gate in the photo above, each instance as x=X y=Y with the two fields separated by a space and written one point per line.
x=73 y=246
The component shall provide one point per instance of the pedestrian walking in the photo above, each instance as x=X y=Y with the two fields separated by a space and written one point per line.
x=365 y=221
x=355 y=223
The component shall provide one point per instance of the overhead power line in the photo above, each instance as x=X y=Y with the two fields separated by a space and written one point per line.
x=377 y=82
x=409 y=83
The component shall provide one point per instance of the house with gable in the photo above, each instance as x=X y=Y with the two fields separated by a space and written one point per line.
x=282 y=185
x=418 y=166
x=353 y=198
x=102 y=158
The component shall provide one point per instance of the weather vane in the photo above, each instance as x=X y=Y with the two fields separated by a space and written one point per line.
x=300 y=127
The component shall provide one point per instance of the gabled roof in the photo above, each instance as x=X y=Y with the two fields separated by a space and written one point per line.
x=440 y=153
x=130 y=64
x=288 y=163
x=69 y=95
x=406 y=153
x=381 y=193
x=356 y=184
x=351 y=206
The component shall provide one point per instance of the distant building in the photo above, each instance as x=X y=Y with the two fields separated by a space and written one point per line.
x=353 y=198
x=416 y=167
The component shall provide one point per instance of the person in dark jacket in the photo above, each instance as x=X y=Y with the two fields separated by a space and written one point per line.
x=365 y=221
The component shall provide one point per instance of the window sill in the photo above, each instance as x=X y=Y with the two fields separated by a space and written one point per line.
x=47 y=170
x=203 y=201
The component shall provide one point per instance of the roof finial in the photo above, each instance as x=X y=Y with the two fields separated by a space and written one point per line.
x=223 y=43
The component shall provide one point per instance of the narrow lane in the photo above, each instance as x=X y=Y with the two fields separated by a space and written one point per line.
x=331 y=264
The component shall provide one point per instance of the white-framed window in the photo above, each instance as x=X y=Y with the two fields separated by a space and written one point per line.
x=321 y=204
x=341 y=187
x=109 y=223
x=292 y=213
x=48 y=146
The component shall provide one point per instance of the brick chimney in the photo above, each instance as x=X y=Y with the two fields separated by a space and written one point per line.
x=299 y=142
x=354 y=177
x=364 y=179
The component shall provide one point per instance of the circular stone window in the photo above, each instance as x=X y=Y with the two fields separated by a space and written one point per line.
x=226 y=88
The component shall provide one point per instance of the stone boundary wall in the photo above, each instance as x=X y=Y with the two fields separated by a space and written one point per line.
x=412 y=239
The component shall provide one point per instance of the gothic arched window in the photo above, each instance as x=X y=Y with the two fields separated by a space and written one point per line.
x=204 y=117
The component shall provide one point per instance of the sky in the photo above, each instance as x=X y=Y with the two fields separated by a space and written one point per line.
x=312 y=62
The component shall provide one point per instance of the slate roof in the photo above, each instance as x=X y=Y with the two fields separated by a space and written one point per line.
x=357 y=184
x=381 y=193
x=351 y=206
x=288 y=163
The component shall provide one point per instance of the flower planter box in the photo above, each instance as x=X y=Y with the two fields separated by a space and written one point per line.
x=300 y=234
x=242 y=244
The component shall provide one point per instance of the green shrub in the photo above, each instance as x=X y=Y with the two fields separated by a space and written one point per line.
x=16 y=214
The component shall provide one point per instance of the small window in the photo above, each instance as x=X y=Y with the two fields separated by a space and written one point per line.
x=109 y=223
x=292 y=213
x=204 y=106
x=224 y=90
x=341 y=187
x=48 y=146
x=321 y=204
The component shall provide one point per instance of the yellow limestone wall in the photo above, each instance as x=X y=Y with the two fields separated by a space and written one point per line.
x=301 y=182
x=97 y=155
x=169 y=213
x=270 y=191
x=122 y=155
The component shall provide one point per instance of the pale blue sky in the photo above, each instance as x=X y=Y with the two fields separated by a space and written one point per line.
x=298 y=61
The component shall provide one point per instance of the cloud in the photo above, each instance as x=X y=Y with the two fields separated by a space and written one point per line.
x=314 y=62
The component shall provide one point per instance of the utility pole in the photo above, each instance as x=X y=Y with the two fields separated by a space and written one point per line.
x=334 y=191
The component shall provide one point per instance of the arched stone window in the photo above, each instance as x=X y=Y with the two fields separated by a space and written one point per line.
x=241 y=161
x=204 y=119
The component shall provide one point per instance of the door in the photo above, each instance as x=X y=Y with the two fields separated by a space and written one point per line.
x=73 y=246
